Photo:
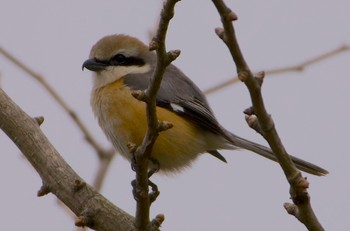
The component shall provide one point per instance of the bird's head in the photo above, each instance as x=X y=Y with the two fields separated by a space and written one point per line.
x=115 y=56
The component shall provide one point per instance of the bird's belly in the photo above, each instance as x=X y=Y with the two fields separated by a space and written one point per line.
x=123 y=119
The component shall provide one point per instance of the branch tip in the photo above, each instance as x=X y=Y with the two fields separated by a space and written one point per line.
x=173 y=54
x=296 y=180
x=158 y=220
x=260 y=77
x=232 y=16
x=291 y=209
x=304 y=183
x=298 y=189
x=44 y=190
x=132 y=147
x=249 y=111
x=139 y=94
x=253 y=123
x=83 y=221
x=164 y=125
x=39 y=120
x=220 y=32
x=78 y=184
x=153 y=45
x=243 y=76
x=252 y=120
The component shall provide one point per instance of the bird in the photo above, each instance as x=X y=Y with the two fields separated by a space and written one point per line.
x=123 y=64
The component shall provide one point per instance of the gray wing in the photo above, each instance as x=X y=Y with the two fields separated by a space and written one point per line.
x=180 y=95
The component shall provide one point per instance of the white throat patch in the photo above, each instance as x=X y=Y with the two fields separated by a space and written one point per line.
x=113 y=73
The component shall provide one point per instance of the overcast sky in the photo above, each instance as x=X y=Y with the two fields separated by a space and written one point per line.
x=310 y=109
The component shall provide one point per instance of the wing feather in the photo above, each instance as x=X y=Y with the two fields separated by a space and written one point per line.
x=180 y=95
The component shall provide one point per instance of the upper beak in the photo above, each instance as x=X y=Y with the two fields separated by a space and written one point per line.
x=94 y=64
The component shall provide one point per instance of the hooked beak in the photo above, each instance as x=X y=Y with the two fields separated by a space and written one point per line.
x=95 y=65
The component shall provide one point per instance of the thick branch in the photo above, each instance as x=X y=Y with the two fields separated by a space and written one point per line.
x=298 y=184
x=92 y=208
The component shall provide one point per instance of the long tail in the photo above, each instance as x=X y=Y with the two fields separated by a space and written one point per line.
x=267 y=153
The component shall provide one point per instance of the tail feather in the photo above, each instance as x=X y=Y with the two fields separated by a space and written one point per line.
x=267 y=153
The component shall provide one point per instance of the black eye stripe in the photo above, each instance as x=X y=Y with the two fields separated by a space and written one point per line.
x=118 y=59
x=122 y=60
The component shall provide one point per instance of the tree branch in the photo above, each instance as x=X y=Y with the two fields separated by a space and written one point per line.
x=143 y=153
x=105 y=155
x=42 y=81
x=298 y=184
x=92 y=209
x=299 y=67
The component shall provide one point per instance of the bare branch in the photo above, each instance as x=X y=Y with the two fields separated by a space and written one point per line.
x=319 y=58
x=59 y=178
x=105 y=155
x=143 y=153
x=293 y=68
x=89 y=138
x=102 y=171
x=298 y=184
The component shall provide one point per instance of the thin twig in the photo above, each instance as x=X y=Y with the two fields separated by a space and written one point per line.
x=103 y=154
x=298 y=184
x=143 y=152
x=293 y=68
x=89 y=138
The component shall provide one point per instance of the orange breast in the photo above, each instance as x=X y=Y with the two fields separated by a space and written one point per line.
x=123 y=119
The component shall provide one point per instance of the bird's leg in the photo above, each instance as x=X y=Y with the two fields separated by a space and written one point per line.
x=132 y=149
x=153 y=169
x=155 y=192
x=152 y=195
x=134 y=191
x=133 y=162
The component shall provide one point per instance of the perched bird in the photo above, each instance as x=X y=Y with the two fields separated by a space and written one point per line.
x=122 y=64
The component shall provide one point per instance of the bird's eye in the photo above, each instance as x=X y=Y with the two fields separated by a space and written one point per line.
x=119 y=59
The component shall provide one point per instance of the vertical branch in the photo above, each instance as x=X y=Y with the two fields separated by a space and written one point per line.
x=302 y=208
x=143 y=153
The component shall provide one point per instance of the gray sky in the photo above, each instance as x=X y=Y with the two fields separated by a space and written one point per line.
x=310 y=109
